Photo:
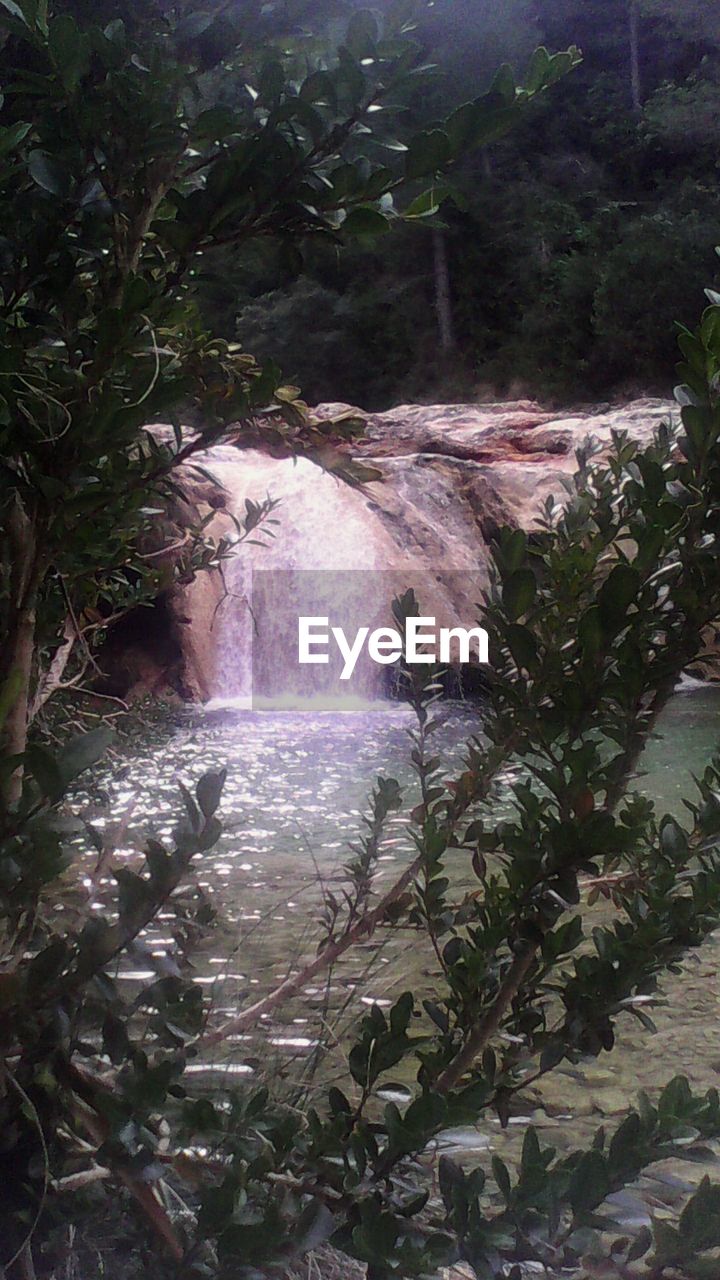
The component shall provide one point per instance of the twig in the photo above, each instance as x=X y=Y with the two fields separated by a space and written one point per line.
x=483 y=1032
x=364 y=928
x=76 y=1181
x=24 y=1251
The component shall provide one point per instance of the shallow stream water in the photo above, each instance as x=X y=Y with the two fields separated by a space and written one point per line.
x=298 y=781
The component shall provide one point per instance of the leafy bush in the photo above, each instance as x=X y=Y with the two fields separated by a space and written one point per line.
x=135 y=141
x=590 y=625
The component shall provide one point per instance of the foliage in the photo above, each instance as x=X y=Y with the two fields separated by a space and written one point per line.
x=585 y=192
x=590 y=622
x=584 y=311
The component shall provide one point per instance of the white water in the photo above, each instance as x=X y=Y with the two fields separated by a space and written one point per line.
x=300 y=704
x=327 y=556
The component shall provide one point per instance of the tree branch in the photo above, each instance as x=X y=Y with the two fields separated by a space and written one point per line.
x=483 y=1032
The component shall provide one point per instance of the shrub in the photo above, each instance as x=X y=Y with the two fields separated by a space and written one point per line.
x=590 y=624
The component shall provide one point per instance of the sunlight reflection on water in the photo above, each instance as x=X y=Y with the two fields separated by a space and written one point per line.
x=298 y=782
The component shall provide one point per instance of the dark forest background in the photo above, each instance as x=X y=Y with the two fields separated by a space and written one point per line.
x=569 y=250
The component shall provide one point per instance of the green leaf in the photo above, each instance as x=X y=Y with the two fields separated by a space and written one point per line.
x=134 y=893
x=13 y=136
x=504 y=83
x=640 y=1244
x=699 y=426
x=616 y=595
x=209 y=790
x=319 y=87
x=518 y=593
x=365 y=221
x=425 y=1116
x=401 y=1012
x=15 y=10
x=194 y=25
x=523 y=646
x=531 y=1159
x=216 y=122
x=502 y=1177
x=492 y=124
x=669 y=1247
x=653 y=478
x=511 y=549
x=362 y=34
x=673 y=840
x=699 y=1223
x=589 y=1183
x=538 y=70
x=49 y=174
x=350 y=74
x=314 y=1226
x=69 y=48
x=461 y=125
x=191 y=808
x=590 y=632
x=272 y=83
x=83 y=752
x=561 y=63
x=48 y=964
x=427 y=204
x=44 y=768
x=116 y=1041
x=427 y=153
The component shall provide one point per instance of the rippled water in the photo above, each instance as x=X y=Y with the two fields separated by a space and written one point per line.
x=298 y=781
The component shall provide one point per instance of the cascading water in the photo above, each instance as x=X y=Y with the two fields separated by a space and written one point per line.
x=327 y=556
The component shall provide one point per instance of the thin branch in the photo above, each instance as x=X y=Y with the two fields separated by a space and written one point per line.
x=52 y=678
x=24 y=1250
x=483 y=1032
x=362 y=930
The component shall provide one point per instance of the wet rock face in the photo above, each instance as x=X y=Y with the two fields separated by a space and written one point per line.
x=457 y=431
x=452 y=474
x=497 y=432
x=511 y=455
x=165 y=648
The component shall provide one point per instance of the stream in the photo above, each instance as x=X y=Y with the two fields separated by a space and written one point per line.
x=298 y=781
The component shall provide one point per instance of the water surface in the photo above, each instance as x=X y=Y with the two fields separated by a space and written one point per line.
x=298 y=781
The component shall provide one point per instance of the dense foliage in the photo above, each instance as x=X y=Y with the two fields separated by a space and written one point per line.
x=572 y=248
x=135 y=149
x=591 y=624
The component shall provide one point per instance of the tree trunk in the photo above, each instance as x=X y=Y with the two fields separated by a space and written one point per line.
x=634 y=33
x=19 y=653
x=443 y=301
x=19 y=665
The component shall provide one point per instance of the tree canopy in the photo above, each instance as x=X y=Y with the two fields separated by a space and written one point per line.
x=615 y=179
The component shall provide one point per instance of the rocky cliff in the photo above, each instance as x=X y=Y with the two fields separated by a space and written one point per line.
x=451 y=475
x=501 y=459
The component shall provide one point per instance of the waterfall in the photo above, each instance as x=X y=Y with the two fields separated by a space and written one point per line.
x=328 y=555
